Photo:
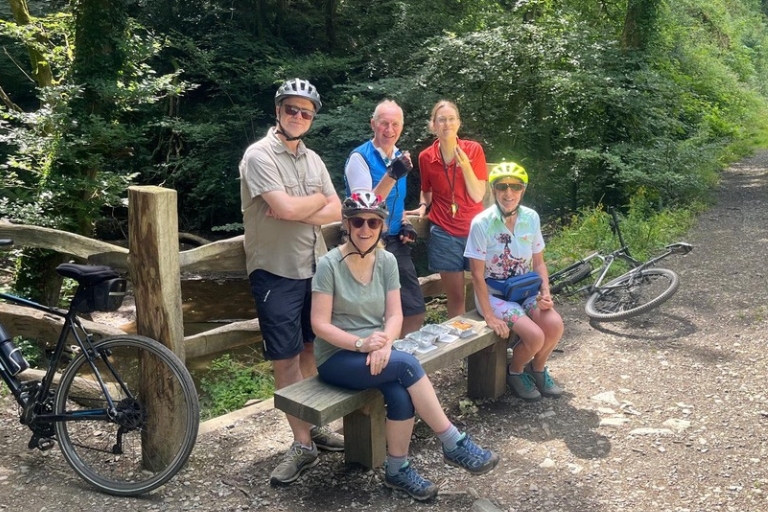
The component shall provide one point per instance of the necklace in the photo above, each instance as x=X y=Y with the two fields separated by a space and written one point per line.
x=452 y=184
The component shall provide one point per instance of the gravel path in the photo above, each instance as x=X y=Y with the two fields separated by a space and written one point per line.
x=667 y=412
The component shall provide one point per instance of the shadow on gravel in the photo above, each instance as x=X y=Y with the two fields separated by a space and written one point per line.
x=649 y=328
x=644 y=335
x=550 y=419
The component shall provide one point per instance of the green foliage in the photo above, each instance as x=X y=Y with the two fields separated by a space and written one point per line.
x=599 y=100
x=592 y=123
x=231 y=384
x=73 y=156
x=644 y=229
x=436 y=312
x=31 y=351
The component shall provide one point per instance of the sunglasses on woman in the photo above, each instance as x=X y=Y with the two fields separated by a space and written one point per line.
x=306 y=113
x=502 y=187
x=357 y=222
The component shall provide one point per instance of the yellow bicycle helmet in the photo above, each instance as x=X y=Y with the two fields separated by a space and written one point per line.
x=508 y=170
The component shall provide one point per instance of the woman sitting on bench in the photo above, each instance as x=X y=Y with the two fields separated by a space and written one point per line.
x=356 y=316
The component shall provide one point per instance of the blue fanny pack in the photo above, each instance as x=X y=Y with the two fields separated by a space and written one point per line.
x=516 y=288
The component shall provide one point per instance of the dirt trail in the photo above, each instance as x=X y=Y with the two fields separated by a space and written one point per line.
x=666 y=412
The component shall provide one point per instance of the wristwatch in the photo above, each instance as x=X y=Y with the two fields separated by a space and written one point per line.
x=359 y=344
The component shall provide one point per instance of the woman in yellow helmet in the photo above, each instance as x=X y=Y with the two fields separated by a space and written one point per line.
x=505 y=240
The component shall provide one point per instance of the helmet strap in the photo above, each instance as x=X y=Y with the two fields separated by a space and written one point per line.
x=357 y=249
x=506 y=215
x=281 y=131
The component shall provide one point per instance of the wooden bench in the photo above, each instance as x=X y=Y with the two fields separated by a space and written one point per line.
x=318 y=403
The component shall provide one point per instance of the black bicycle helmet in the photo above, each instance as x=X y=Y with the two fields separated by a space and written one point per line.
x=364 y=202
x=301 y=88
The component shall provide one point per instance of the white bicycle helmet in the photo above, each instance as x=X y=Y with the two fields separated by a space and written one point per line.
x=364 y=202
x=301 y=88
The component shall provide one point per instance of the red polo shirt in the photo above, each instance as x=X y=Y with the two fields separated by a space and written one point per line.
x=447 y=184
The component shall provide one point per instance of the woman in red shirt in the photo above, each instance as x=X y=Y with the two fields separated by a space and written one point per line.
x=453 y=176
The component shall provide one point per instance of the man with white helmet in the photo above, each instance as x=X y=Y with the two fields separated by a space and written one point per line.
x=287 y=195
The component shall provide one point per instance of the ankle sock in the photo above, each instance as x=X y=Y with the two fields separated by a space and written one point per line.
x=450 y=437
x=395 y=463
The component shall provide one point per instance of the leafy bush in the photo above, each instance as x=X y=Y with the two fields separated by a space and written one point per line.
x=644 y=230
x=231 y=384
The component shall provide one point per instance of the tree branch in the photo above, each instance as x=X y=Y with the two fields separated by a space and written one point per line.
x=8 y=101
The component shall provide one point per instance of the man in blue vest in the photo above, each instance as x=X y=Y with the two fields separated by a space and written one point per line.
x=380 y=166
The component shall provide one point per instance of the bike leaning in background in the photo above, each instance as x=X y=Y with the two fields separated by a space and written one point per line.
x=124 y=409
x=639 y=290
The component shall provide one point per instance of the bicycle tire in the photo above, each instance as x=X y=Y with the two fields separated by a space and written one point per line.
x=560 y=283
x=632 y=294
x=150 y=454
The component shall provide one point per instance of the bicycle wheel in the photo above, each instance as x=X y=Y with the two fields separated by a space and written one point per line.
x=562 y=282
x=632 y=294
x=130 y=450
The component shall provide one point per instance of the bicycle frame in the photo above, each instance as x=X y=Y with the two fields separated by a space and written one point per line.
x=637 y=266
x=32 y=395
x=607 y=260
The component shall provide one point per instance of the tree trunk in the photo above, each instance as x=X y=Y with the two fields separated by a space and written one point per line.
x=41 y=71
x=640 y=24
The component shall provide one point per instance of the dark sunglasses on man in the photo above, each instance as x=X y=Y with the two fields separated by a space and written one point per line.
x=292 y=110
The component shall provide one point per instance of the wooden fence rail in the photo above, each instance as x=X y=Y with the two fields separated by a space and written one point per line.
x=220 y=258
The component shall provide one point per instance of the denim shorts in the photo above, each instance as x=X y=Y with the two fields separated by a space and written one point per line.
x=445 y=253
x=284 y=307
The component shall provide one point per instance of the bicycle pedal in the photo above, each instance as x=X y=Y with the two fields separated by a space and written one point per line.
x=41 y=443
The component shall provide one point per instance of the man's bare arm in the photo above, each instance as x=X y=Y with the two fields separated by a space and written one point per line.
x=286 y=207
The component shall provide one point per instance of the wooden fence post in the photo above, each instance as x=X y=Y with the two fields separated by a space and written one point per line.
x=153 y=237
x=153 y=261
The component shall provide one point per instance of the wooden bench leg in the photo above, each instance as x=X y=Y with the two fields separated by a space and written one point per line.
x=486 y=371
x=364 y=434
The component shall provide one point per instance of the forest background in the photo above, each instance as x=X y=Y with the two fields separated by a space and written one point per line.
x=615 y=102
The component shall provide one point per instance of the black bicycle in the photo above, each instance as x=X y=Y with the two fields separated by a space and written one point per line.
x=641 y=289
x=124 y=409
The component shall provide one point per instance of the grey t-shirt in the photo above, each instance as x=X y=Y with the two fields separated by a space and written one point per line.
x=357 y=308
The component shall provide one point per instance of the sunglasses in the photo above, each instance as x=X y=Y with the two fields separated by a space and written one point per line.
x=306 y=113
x=502 y=187
x=357 y=222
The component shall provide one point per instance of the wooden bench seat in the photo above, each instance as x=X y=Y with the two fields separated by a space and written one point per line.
x=316 y=402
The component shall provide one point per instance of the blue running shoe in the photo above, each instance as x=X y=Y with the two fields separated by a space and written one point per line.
x=471 y=457
x=409 y=481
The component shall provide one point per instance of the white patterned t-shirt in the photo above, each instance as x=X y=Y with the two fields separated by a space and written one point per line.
x=506 y=254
